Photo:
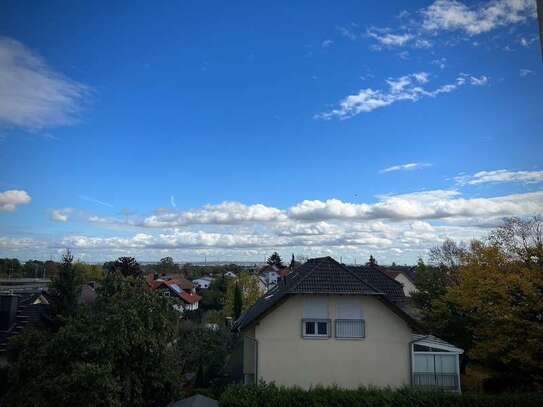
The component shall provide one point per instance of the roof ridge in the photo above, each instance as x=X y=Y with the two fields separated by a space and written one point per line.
x=307 y=274
x=357 y=277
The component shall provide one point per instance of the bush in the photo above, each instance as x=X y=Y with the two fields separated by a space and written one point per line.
x=270 y=395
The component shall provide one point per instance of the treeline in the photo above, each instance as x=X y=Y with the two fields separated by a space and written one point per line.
x=487 y=298
x=128 y=347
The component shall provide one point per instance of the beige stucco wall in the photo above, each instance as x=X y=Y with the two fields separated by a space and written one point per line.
x=381 y=359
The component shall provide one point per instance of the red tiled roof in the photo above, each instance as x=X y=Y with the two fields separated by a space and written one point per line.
x=190 y=298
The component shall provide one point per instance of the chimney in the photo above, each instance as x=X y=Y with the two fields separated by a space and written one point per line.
x=8 y=311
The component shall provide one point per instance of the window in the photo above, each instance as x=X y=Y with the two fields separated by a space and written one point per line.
x=316 y=323
x=350 y=328
x=350 y=322
x=316 y=328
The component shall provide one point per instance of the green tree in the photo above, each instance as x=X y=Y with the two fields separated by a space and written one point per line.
x=500 y=286
x=204 y=351
x=275 y=260
x=117 y=353
x=371 y=262
x=250 y=291
x=167 y=266
x=124 y=266
x=65 y=289
x=238 y=301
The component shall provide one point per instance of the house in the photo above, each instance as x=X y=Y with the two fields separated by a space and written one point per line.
x=18 y=311
x=330 y=324
x=203 y=283
x=179 y=288
x=268 y=276
x=406 y=279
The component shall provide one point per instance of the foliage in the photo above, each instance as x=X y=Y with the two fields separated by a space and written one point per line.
x=238 y=301
x=371 y=262
x=65 y=289
x=204 y=352
x=167 y=266
x=116 y=353
x=275 y=260
x=89 y=272
x=250 y=292
x=504 y=299
x=271 y=395
x=487 y=298
x=128 y=267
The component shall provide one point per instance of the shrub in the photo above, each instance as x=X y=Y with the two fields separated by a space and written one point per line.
x=270 y=395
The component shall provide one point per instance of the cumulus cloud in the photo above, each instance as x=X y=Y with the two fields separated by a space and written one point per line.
x=61 y=215
x=9 y=200
x=438 y=204
x=404 y=88
x=33 y=96
x=405 y=167
x=226 y=213
x=498 y=176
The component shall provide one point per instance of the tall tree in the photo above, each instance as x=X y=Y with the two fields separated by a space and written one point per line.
x=65 y=288
x=127 y=267
x=275 y=260
x=238 y=301
x=500 y=286
x=371 y=262
x=167 y=266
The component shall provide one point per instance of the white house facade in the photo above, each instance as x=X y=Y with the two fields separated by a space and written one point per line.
x=328 y=324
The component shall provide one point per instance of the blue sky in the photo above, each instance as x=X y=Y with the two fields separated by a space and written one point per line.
x=231 y=130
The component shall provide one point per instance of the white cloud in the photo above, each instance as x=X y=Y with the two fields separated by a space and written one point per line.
x=405 y=167
x=32 y=96
x=61 y=215
x=172 y=201
x=526 y=72
x=452 y=15
x=440 y=62
x=455 y=16
x=398 y=227
x=226 y=213
x=347 y=33
x=500 y=176
x=404 y=88
x=438 y=204
x=9 y=200
x=388 y=39
x=326 y=43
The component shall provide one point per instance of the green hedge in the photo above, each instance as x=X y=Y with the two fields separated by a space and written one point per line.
x=270 y=395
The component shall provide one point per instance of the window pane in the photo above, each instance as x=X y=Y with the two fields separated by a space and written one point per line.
x=322 y=328
x=446 y=363
x=310 y=328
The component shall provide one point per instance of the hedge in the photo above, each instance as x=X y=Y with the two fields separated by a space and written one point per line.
x=270 y=395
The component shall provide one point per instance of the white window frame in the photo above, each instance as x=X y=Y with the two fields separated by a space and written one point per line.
x=316 y=335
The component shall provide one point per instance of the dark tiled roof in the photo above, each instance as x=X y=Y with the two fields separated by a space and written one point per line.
x=325 y=275
x=379 y=279
x=28 y=314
